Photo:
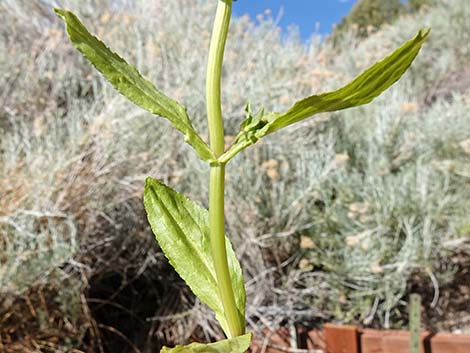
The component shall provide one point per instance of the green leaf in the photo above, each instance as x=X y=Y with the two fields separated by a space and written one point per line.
x=181 y=227
x=362 y=90
x=129 y=82
x=238 y=344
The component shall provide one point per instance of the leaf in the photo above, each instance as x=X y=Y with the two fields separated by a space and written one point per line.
x=238 y=344
x=362 y=90
x=127 y=80
x=181 y=227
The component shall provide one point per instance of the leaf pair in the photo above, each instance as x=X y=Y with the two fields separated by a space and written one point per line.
x=362 y=90
x=129 y=82
x=181 y=227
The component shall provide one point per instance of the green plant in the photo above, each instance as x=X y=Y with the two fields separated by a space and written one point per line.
x=192 y=238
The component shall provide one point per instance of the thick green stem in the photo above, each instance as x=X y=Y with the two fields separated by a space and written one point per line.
x=217 y=175
x=219 y=253
x=214 y=73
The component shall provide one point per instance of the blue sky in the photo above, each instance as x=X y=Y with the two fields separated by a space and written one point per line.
x=305 y=14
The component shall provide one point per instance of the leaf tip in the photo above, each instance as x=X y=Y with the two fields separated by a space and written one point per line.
x=149 y=182
x=60 y=12
x=423 y=34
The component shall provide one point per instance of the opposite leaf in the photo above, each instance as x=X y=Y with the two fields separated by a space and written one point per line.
x=129 y=82
x=362 y=90
x=238 y=344
x=181 y=227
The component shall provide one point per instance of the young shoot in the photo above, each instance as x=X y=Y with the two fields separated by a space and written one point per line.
x=193 y=238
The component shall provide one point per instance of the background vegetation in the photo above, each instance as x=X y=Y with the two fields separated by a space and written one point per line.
x=338 y=219
x=368 y=16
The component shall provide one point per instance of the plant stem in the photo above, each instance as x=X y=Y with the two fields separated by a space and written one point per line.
x=219 y=253
x=217 y=174
x=214 y=73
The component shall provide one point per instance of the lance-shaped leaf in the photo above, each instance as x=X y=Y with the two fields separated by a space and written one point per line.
x=362 y=90
x=181 y=227
x=127 y=80
x=238 y=344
